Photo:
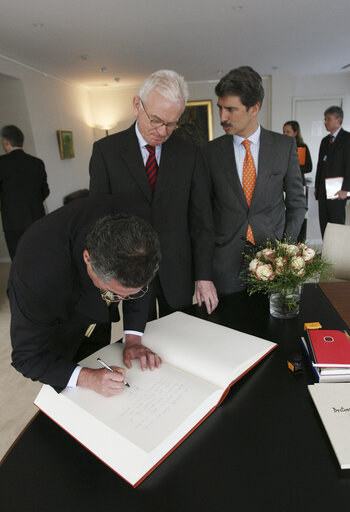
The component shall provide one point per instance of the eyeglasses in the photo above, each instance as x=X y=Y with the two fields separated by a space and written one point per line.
x=157 y=123
x=109 y=296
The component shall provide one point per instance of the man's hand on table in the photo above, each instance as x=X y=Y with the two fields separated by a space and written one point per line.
x=135 y=350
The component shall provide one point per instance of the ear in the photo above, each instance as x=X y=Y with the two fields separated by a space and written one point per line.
x=255 y=109
x=86 y=257
x=136 y=106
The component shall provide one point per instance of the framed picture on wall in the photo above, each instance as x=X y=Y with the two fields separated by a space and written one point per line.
x=65 y=143
x=196 y=123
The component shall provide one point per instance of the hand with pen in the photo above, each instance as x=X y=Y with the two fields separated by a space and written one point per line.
x=107 y=381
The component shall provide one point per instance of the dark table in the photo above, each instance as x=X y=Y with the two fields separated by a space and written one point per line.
x=338 y=294
x=264 y=448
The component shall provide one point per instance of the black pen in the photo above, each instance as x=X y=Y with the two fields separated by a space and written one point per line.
x=110 y=369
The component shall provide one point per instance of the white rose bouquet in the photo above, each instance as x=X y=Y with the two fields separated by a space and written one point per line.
x=281 y=267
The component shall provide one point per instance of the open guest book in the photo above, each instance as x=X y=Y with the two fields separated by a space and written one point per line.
x=135 y=431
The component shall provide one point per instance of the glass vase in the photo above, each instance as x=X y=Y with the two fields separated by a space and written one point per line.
x=285 y=303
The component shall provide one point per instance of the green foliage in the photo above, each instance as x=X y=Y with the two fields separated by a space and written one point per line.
x=281 y=266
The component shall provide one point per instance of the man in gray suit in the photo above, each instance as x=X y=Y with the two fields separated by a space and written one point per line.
x=276 y=206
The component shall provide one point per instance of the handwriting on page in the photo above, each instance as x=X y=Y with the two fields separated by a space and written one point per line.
x=147 y=406
x=155 y=405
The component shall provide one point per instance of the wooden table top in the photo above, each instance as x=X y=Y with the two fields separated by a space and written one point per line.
x=338 y=294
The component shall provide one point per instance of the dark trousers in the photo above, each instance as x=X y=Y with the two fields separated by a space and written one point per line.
x=12 y=239
x=158 y=297
x=330 y=210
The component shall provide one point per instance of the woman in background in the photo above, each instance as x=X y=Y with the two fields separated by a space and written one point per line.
x=292 y=129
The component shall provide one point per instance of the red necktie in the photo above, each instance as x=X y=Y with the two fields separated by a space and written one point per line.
x=249 y=179
x=151 y=167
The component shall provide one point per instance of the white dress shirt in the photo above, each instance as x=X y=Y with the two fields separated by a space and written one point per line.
x=240 y=151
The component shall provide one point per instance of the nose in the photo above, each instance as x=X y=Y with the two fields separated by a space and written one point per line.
x=162 y=130
x=223 y=115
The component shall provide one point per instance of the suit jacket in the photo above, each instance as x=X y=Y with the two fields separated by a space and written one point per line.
x=337 y=162
x=23 y=188
x=271 y=214
x=52 y=298
x=180 y=208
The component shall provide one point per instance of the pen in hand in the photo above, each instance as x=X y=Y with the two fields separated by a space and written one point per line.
x=105 y=365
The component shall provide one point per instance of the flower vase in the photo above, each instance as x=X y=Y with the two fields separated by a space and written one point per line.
x=285 y=303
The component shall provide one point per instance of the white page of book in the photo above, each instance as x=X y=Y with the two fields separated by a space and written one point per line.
x=193 y=345
x=156 y=402
x=333 y=404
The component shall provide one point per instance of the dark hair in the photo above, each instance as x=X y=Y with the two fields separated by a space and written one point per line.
x=13 y=134
x=243 y=82
x=296 y=128
x=125 y=248
x=336 y=111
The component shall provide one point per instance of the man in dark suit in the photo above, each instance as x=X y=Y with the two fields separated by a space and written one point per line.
x=256 y=184
x=23 y=187
x=152 y=167
x=71 y=269
x=333 y=162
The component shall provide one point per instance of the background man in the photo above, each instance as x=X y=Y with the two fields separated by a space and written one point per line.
x=71 y=269
x=333 y=162
x=155 y=169
x=23 y=187
x=251 y=169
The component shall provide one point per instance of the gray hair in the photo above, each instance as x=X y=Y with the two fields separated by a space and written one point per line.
x=335 y=111
x=168 y=83
x=125 y=248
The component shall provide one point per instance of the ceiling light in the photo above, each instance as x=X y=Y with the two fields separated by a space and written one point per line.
x=237 y=7
x=84 y=56
x=38 y=25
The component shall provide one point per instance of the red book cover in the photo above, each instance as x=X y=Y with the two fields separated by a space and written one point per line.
x=330 y=347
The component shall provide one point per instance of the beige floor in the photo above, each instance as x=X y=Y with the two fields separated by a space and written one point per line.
x=17 y=393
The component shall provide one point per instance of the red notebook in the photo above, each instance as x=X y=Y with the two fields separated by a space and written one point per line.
x=330 y=347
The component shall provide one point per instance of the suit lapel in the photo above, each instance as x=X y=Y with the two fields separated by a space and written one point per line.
x=133 y=160
x=264 y=165
x=229 y=168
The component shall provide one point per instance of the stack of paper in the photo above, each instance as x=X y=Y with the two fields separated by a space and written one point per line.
x=329 y=353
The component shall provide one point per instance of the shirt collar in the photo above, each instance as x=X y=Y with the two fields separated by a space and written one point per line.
x=254 y=137
x=335 y=133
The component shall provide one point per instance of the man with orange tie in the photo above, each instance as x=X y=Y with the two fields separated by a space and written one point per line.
x=166 y=176
x=256 y=185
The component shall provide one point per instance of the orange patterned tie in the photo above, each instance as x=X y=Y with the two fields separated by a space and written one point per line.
x=249 y=180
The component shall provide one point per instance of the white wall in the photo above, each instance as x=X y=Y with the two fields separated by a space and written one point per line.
x=51 y=105
x=284 y=88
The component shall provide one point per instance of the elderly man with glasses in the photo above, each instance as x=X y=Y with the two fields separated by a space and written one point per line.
x=150 y=166
x=71 y=270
